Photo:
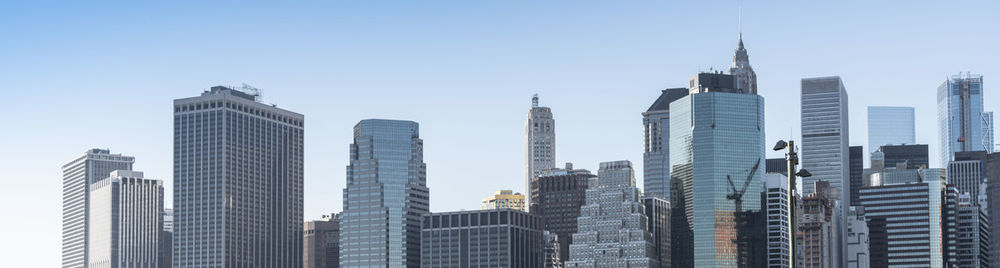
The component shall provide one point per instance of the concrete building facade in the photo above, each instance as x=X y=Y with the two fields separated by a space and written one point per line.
x=238 y=178
x=78 y=176
x=126 y=221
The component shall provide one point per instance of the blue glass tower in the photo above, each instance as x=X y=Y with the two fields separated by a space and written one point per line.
x=963 y=124
x=890 y=126
x=386 y=196
x=717 y=168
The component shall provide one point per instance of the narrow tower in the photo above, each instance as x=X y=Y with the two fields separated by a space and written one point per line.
x=539 y=144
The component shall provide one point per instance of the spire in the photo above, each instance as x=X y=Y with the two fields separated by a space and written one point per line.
x=534 y=100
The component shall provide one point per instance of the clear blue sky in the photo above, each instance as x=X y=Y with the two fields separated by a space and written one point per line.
x=78 y=75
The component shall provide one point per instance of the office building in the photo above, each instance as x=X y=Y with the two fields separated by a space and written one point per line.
x=963 y=125
x=778 y=229
x=716 y=206
x=966 y=231
x=386 y=196
x=539 y=143
x=889 y=125
x=818 y=228
x=504 y=199
x=965 y=172
x=746 y=78
x=559 y=195
x=857 y=239
x=126 y=221
x=656 y=152
x=482 y=238
x=551 y=251
x=776 y=165
x=167 y=239
x=236 y=162
x=321 y=243
x=658 y=222
x=904 y=221
x=613 y=229
x=825 y=142
x=856 y=164
x=913 y=156
x=78 y=177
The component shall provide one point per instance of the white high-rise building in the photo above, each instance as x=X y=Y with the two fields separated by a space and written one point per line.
x=778 y=229
x=78 y=177
x=126 y=228
x=613 y=230
x=539 y=144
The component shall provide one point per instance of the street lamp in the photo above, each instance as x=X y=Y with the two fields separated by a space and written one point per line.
x=792 y=161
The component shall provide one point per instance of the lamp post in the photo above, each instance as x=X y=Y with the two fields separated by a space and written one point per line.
x=792 y=161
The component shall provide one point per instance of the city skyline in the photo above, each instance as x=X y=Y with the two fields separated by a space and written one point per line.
x=133 y=74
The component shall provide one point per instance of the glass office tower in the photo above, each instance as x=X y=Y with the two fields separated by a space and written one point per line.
x=656 y=152
x=717 y=169
x=386 y=196
x=238 y=181
x=890 y=126
x=963 y=124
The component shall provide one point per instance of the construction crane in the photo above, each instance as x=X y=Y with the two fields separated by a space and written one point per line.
x=737 y=195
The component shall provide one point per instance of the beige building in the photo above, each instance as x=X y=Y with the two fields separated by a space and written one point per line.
x=504 y=199
x=321 y=243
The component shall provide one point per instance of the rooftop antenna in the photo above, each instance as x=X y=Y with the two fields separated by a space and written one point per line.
x=534 y=100
x=740 y=20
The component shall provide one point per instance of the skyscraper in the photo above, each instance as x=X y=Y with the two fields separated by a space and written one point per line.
x=966 y=175
x=656 y=153
x=126 y=221
x=539 y=143
x=386 y=196
x=321 y=243
x=746 y=78
x=717 y=168
x=559 y=195
x=482 y=238
x=857 y=169
x=167 y=239
x=963 y=124
x=778 y=227
x=890 y=126
x=613 y=230
x=78 y=176
x=237 y=181
x=658 y=222
x=915 y=156
x=825 y=132
x=966 y=230
x=904 y=221
x=857 y=239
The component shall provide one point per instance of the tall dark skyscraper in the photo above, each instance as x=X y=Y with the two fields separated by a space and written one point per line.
x=915 y=156
x=237 y=181
x=857 y=167
x=656 y=153
x=386 y=196
x=78 y=176
x=559 y=195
